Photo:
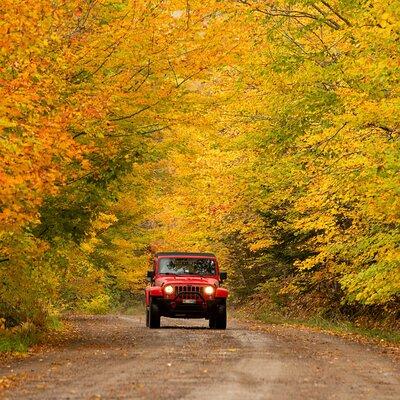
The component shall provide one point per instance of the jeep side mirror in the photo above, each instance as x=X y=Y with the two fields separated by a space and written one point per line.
x=150 y=275
x=223 y=276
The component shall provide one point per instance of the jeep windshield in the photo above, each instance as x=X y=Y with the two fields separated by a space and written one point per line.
x=187 y=266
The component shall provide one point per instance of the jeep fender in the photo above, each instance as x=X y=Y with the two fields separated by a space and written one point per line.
x=153 y=291
x=221 y=293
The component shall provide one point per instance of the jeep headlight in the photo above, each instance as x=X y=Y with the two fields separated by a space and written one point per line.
x=209 y=290
x=169 y=289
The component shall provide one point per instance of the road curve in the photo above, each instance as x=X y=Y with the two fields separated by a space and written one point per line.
x=116 y=357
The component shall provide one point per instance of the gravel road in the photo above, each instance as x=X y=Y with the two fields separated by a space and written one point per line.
x=116 y=357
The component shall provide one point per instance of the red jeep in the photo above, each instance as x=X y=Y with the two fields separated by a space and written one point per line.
x=186 y=285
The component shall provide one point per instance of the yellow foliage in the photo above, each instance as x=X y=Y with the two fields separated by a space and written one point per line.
x=267 y=132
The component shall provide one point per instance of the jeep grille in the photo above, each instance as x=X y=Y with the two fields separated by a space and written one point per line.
x=189 y=292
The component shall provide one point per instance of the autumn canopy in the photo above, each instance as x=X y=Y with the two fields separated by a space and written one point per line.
x=267 y=132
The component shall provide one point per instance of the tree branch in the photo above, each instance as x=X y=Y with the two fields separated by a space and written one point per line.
x=141 y=133
x=325 y=141
x=173 y=70
x=78 y=134
x=148 y=73
x=345 y=20
x=273 y=11
x=133 y=114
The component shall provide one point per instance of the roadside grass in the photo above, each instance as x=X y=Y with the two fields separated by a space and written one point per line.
x=20 y=338
x=351 y=328
x=337 y=326
x=340 y=327
x=136 y=307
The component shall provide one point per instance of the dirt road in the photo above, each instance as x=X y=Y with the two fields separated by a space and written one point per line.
x=116 y=357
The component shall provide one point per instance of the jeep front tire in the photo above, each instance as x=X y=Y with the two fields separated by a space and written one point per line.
x=147 y=316
x=218 y=317
x=153 y=315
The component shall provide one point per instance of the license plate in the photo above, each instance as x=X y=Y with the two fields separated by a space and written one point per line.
x=189 y=301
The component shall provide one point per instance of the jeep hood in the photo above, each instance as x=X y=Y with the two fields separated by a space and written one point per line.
x=186 y=280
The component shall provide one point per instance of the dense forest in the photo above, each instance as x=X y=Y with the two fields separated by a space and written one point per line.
x=267 y=131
